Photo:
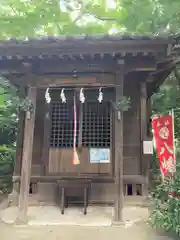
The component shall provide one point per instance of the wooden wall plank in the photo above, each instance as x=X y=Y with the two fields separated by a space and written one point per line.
x=131 y=126
x=60 y=162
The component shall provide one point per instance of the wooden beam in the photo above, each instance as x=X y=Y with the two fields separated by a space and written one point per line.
x=143 y=128
x=149 y=115
x=13 y=197
x=157 y=80
x=46 y=138
x=89 y=79
x=83 y=47
x=143 y=118
x=19 y=143
x=136 y=64
x=143 y=89
x=129 y=179
x=45 y=66
x=163 y=68
x=118 y=131
x=27 y=157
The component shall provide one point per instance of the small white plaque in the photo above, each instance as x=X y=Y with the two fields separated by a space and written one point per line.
x=99 y=155
x=147 y=147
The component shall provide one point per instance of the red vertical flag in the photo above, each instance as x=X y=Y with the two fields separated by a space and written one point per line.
x=164 y=143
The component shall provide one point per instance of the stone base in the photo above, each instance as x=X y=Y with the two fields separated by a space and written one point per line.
x=4 y=201
x=118 y=223
x=13 y=198
x=21 y=222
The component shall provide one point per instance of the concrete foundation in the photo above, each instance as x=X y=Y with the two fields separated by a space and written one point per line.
x=96 y=216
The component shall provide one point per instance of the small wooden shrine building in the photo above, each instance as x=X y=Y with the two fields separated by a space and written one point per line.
x=112 y=65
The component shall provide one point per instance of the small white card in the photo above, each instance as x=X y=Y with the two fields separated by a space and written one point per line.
x=148 y=147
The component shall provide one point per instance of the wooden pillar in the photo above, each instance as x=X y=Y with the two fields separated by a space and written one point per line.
x=13 y=197
x=118 y=136
x=143 y=127
x=19 y=143
x=148 y=116
x=27 y=157
x=143 y=120
x=19 y=138
x=150 y=137
x=46 y=139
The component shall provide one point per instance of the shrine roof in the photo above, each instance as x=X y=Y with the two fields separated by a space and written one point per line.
x=97 y=37
x=84 y=44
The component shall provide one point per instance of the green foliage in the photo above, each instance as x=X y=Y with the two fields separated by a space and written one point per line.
x=9 y=106
x=165 y=207
x=7 y=156
x=123 y=104
x=168 y=98
x=21 y=18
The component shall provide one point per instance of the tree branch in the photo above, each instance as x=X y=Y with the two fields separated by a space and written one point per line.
x=84 y=11
x=4 y=93
x=80 y=15
x=102 y=18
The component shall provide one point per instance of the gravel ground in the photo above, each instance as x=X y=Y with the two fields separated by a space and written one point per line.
x=139 y=231
x=136 y=232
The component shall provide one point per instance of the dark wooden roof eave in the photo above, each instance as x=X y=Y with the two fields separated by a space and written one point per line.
x=82 y=45
x=156 y=79
x=73 y=48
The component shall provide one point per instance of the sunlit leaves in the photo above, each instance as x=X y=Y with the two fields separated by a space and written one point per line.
x=29 y=18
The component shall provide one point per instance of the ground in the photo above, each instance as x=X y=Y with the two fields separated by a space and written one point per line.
x=136 y=232
x=47 y=223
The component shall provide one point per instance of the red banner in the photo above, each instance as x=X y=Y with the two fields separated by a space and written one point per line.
x=164 y=143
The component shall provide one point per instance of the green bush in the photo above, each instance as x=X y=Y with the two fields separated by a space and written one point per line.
x=165 y=212
x=7 y=156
